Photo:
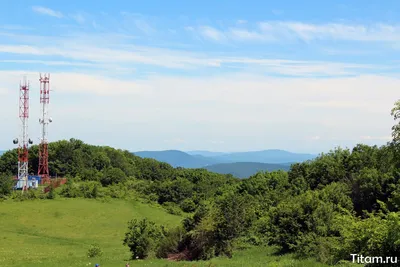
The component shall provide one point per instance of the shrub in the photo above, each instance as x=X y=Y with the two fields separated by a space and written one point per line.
x=188 y=205
x=172 y=208
x=112 y=176
x=52 y=193
x=115 y=191
x=171 y=242
x=6 y=184
x=70 y=190
x=94 y=251
x=141 y=237
x=89 y=189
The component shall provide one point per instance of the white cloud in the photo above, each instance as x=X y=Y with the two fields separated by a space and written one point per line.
x=47 y=11
x=211 y=33
x=48 y=62
x=78 y=83
x=306 y=31
x=130 y=54
x=126 y=55
x=144 y=26
x=283 y=31
x=142 y=23
x=245 y=35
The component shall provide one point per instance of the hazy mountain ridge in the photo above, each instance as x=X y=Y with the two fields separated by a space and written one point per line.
x=205 y=153
x=239 y=164
x=177 y=158
x=265 y=156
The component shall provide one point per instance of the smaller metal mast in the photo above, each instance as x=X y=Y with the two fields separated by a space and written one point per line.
x=43 y=170
x=23 y=141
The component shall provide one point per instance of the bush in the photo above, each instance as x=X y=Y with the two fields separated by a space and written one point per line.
x=52 y=193
x=142 y=237
x=112 y=176
x=172 y=208
x=170 y=244
x=90 y=189
x=70 y=190
x=379 y=234
x=94 y=251
x=28 y=195
x=6 y=184
x=115 y=191
x=188 y=205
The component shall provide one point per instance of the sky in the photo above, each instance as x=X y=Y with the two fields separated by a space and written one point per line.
x=303 y=76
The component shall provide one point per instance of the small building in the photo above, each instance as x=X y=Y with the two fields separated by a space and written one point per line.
x=33 y=182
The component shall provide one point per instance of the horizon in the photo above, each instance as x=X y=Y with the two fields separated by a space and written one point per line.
x=221 y=76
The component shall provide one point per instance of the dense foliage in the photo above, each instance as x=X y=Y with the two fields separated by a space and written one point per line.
x=141 y=237
x=344 y=202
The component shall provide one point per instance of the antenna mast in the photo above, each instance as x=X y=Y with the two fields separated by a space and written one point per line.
x=23 y=141
x=43 y=170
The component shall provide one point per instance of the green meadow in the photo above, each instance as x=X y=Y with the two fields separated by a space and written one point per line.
x=59 y=233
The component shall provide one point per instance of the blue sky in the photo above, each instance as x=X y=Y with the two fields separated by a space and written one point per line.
x=304 y=76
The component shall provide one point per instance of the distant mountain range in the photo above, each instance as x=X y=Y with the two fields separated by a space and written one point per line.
x=205 y=153
x=177 y=158
x=240 y=164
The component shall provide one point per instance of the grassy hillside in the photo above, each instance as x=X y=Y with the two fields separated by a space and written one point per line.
x=59 y=232
x=245 y=169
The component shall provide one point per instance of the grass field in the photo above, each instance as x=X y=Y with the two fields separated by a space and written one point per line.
x=55 y=233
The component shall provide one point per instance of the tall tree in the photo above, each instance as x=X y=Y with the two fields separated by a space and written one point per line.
x=396 y=115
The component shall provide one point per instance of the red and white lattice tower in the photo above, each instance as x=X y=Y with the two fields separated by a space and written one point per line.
x=43 y=170
x=23 y=141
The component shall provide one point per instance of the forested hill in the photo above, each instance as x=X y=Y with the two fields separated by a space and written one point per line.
x=246 y=169
x=335 y=205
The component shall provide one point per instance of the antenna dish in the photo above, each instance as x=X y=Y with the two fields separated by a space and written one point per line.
x=50 y=120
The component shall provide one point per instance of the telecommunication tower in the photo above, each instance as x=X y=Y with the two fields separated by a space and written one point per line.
x=23 y=141
x=43 y=170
